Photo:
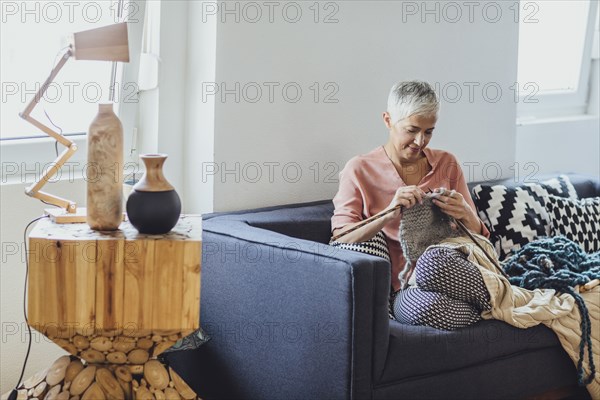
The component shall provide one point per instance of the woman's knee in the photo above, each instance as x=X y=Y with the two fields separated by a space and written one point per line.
x=449 y=272
x=417 y=307
x=429 y=265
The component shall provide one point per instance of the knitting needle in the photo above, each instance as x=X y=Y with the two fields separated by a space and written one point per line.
x=492 y=260
x=369 y=220
x=460 y=224
x=366 y=222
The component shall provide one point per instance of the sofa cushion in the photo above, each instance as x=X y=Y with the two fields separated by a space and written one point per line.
x=578 y=220
x=416 y=351
x=522 y=375
x=517 y=215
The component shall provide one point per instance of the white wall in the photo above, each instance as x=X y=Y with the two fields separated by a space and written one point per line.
x=564 y=144
x=162 y=110
x=198 y=145
x=16 y=211
x=571 y=145
x=363 y=54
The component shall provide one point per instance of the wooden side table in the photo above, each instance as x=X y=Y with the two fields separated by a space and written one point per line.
x=115 y=300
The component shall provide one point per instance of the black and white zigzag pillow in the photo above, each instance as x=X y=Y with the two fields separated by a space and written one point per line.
x=560 y=186
x=515 y=216
x=377 y=246
x=578 y=220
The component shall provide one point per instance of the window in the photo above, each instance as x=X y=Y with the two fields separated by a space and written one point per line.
x=43 y=30
x=555 y=47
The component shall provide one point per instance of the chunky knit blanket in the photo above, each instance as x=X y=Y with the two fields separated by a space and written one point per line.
x=561 y=264
x=524 y=308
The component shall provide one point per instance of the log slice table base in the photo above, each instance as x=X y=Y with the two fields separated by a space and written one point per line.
x=69 y=378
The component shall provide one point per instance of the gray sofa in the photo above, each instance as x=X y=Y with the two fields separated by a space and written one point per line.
x=293 y=318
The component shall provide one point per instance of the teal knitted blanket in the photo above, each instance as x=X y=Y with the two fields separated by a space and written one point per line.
x=558 y=263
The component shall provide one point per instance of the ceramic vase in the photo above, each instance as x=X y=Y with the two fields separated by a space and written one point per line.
x=104 y=170
x=153 y=207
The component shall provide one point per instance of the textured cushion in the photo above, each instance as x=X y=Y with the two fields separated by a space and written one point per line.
x=377 y=246
x=578 y=220
x=517 y=215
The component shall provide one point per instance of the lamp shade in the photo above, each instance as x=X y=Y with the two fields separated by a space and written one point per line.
x=108 y=43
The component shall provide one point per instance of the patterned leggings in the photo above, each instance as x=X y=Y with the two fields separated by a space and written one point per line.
x=450 y=292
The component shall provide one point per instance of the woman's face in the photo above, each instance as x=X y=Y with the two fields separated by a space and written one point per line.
x=410 y=135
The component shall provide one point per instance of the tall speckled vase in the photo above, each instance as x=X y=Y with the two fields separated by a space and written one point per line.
x=153 y=207
x=104 y=170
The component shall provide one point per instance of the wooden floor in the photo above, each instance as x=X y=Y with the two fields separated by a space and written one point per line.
x=564 y=393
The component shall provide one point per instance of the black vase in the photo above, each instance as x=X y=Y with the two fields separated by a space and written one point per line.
x=153 y=207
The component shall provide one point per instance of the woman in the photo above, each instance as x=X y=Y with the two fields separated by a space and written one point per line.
x=399 y=173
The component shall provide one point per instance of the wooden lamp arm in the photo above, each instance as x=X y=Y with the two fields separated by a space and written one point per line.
x=34 y=190
x=48 y=131
x=40 y=93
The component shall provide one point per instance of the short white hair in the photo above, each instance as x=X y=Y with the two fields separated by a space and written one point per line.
x=412 y=98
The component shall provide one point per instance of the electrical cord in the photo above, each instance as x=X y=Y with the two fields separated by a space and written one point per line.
x=13 y=394
x=53 y=205
x=57 y=127
x=47 y=116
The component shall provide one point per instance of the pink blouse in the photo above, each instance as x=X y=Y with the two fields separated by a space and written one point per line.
x=368 y=183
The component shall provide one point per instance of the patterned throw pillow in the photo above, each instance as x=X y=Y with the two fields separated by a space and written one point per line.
x=578 y=220
x=515 y=216
x=377 y=246
x=560 y=186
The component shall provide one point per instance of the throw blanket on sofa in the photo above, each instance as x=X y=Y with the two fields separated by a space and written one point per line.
x=524 y=308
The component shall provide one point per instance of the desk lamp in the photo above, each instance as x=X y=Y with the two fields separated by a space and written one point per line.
x=108 y=43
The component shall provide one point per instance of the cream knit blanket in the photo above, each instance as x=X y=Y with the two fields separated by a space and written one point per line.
x=525 y=308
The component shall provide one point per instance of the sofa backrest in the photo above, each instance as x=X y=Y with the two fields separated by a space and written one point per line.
x=585 y=185
x=312 y=221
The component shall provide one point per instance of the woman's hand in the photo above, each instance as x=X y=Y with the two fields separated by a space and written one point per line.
x=454 y=204
x=406 y=196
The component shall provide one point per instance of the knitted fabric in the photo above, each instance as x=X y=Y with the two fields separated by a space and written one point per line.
x=421 y=226
x=558 y=263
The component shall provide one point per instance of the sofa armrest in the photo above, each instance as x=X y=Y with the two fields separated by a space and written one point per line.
x=289 y=318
